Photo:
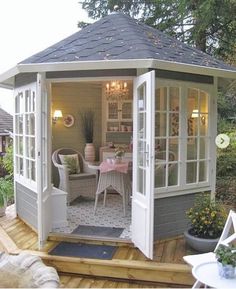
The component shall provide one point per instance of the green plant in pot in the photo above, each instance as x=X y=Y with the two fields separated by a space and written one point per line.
x=226 y=259
x=6 y=192
x=206 y=219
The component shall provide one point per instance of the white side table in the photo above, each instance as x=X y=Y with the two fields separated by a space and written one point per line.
x=207 y=273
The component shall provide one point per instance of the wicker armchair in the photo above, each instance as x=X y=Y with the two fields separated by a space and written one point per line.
x=81 y=184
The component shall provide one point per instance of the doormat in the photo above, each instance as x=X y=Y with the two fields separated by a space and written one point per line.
x=98 y=231
x=83 y=250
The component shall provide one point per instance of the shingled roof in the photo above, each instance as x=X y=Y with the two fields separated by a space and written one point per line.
x=6 y=122
x=120 y=37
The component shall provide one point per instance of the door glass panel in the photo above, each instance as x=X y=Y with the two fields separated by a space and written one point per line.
x=204 y=124
x=141 y=153
x=161 y=99
x=141 y=125
x=19 y=103
x=202 y=171
x=141 y=97
x=141 y=181
x=160 y=124
x=30 y=124
x=191 y=172
x=19 y=124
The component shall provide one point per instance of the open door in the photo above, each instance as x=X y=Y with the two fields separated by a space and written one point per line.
x=43 y=161
x=143 y=163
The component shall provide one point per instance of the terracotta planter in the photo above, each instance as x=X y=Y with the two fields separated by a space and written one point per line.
x=200 y=244
x=89 y=152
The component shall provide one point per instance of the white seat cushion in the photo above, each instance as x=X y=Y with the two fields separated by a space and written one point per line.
x=194 y=260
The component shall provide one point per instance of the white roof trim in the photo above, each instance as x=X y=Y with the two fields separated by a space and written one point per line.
x=6 y=79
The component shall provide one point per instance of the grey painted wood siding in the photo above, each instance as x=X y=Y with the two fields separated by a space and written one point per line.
x=26 y=203
x=169 y=215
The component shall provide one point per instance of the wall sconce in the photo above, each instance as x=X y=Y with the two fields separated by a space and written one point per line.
x=57 y=114
x=196 y=114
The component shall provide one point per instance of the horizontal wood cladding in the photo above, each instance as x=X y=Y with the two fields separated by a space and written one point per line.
x=176 y=75
x=91 y=73
x=25 y=78
x=170 y=215
x=26 y=204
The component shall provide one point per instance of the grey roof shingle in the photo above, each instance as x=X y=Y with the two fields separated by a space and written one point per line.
x=6 y=122
x=118 y=36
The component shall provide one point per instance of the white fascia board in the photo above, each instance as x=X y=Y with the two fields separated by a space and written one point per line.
x=7 y=77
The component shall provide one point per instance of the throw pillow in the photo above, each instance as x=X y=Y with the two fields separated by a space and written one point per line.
x=72 y=163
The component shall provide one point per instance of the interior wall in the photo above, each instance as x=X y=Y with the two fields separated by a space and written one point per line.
x=73 y=98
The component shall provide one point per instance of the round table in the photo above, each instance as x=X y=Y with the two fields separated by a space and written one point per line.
x=207 y=273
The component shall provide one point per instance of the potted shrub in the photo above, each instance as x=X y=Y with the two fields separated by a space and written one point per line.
x=226 y=259
x=207 y=219
x=6 y=191
x=87 y=125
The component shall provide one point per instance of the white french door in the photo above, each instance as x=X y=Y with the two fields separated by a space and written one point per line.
x=143 y=163
x=43 y=162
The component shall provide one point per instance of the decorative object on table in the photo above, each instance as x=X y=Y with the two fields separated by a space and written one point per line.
x=119 y=153
x=6 y=191
x=207 y=219
x=87 y=125
x=226 y=260
x=68 y=120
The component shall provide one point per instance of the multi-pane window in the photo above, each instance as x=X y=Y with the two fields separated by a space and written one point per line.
x=25 y=133
x=181 y=136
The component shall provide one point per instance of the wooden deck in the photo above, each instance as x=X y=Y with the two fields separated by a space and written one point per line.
x=127 y=267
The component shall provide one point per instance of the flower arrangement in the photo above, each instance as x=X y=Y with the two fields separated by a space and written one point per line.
x=207 y=217
x=119 y=152
x=226 y=255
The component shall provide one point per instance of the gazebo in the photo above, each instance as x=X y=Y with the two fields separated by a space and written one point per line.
x=141 y=84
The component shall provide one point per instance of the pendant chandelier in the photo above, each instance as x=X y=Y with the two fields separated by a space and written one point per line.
x=117 y=90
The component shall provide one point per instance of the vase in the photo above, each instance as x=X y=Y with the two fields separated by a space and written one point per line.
x=226 y=271
x=202 y=245
x=89 y=152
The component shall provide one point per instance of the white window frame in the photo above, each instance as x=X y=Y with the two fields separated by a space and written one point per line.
x=182 y=187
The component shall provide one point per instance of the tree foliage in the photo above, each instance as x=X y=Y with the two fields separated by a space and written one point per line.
x=210 y=25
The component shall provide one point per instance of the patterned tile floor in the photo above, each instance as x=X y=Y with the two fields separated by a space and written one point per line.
x=81 y=212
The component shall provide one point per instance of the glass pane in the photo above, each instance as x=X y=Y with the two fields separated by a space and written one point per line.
x=33 y=102
x=161 y=99
x=191 y=172
x=19 y=165
x=173 y=124
x=160 y=124
x=203 y=148
x=30 y=147
x=141 y=181
x=19 y=103
x=174 y=98
x=126 y=110
x=192 y=126
x=203 y=102
x=173 y=149
x=202 y=171
x=141 y=97
x=19 y=124
x=27 y=100
x=20 y=145
x=112 y=110
x=141 y=153
x=30 y=124
x=141 y=125
x=204 y=124
x=173 y=174
x=30 y=170
x=192 y=149
x=160 y=175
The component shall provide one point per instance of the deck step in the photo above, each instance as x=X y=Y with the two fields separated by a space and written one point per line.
x=167 y=273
